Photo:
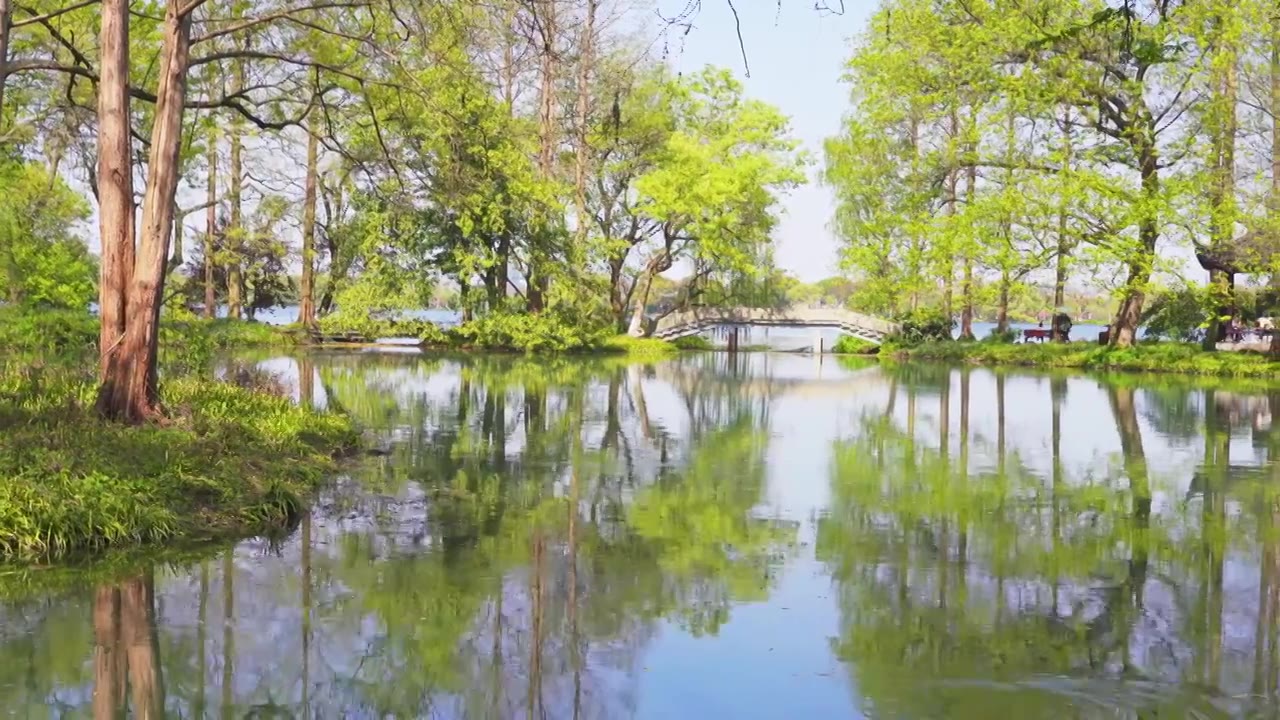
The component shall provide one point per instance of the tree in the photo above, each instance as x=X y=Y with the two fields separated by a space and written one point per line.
x=42 y=260
x=1072 y=129
x=692 y=175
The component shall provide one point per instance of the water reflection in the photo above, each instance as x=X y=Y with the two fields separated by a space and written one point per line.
x=969 y=585
x=760 y=536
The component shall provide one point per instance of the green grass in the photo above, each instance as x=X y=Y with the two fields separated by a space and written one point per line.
x=638 y=347
x=228 y=461
x=850 y=345
x=1181 y=358
x=693 y=342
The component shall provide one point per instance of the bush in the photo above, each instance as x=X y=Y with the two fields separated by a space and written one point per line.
x=373 y=328
x=1177 y=314
x=850 y=345
x=1002 y=338
x=529 y=333
x=921 y=326
x=693 y=342
x=56 y=332
x=638 y=347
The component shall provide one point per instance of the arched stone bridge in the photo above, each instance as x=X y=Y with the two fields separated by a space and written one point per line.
x=694 y=321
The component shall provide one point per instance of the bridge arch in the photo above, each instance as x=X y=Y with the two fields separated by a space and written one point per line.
x=696 y=320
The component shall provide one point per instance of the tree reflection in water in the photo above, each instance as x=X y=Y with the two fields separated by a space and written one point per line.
x=965 y=585
x=527 y=534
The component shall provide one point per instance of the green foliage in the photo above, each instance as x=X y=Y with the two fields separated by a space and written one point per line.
x=922 y=325
x=639 y=347
x=373 y=327
x=76 y=483
x=1177 y=314
x=1155 y=358
x=529 y=333
x=43 y=263
x=1002 y=337
x=850 y=345
x=693 y=342
x=51 y=332
x=693 y=173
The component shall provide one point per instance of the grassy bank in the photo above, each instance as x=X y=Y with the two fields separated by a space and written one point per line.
x=228 y=461
x=1181 y=358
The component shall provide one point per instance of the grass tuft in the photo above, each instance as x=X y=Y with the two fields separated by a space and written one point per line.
x=227 y=461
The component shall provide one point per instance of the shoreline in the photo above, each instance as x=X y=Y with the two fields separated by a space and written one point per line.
x=1162 y=358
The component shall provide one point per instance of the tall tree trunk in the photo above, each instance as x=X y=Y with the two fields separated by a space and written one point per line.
x=129 y=390
x=617 y=297
x=586 y=58
x=1223 y=188
x=1124 y=329
x=307 y=303
x=1064 y=240
x=644 y=283
x=1002 y=311
x=339 y=266
x=953 y=183
x=916 y=249
x=211 y=227
x=537 y=281
x=1275 y=152
x=6 y=23
x=639 y=300
x=966 y=312
x=115 y=180
x=236 y=231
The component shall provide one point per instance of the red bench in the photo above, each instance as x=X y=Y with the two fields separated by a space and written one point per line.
x=1041 y=334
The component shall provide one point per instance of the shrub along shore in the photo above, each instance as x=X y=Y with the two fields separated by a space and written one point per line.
x=1161 y=357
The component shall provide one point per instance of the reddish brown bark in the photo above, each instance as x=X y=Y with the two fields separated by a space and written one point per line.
x=115 y=179
x=141 y=646
x=108 y=660
x=129 y=391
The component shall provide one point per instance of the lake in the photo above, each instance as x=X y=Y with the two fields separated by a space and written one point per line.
x=714 y=536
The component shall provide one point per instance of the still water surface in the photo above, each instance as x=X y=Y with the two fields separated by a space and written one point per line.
x=764 y=536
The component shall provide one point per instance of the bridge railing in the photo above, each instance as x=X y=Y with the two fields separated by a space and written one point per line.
x=697 y=318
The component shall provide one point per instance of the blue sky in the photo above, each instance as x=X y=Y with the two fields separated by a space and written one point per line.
x=796 y=56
